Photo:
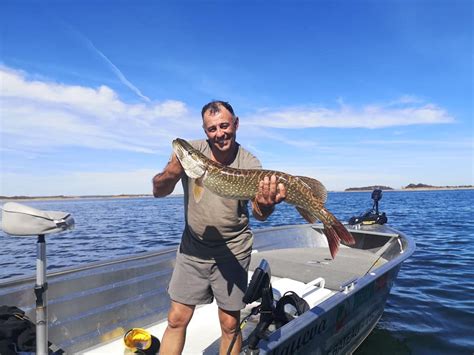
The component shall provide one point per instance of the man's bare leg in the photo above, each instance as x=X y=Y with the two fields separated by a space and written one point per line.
x=179 y=317
x=230 y=321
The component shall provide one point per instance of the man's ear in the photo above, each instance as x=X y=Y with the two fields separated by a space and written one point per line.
x=236 y=122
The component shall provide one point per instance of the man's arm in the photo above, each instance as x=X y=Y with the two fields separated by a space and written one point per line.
x=164 y=182
x=269 y=194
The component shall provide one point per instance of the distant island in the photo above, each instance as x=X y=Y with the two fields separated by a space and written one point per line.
x=369 y=188
x=410 y=186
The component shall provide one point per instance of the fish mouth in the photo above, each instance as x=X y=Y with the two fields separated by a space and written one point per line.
x=189 y=158
x=178 y=147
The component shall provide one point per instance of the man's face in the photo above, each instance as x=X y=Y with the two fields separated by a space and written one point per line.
x=220 y=129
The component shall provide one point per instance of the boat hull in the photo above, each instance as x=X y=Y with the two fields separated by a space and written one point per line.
x=337 y=326
x=97 y=303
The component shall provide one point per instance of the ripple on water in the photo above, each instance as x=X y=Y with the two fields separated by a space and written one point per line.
x=430 y=309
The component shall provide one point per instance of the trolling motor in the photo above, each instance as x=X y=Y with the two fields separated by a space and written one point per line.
x=371 y=216
x=21 y=220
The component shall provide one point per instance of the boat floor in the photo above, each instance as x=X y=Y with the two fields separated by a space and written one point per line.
x=297 y=270
x=304 y=264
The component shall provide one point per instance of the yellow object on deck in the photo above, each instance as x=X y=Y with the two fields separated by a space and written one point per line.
x=137 y=339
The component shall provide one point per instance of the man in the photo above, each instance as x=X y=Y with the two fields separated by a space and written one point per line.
x=214 y=254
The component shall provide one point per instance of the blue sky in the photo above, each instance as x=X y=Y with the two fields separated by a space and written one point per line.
x=353 y=93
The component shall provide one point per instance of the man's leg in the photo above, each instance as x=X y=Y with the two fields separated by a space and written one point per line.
x=230 y=321
x=179 y=317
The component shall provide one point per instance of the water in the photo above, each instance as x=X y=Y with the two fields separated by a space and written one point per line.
x=431 y=306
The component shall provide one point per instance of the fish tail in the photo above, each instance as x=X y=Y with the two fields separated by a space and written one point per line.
x=335 y=232
x=333 y=240
x=343 y=233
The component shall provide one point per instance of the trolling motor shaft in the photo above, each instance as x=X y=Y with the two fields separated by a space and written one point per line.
x=21 y=220
x=41 y=297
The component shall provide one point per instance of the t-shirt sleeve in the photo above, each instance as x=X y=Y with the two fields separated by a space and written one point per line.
x=250 y=161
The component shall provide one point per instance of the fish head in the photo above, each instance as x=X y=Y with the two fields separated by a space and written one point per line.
x=193 y=161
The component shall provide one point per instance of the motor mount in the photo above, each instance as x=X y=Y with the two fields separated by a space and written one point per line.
x=372 y=216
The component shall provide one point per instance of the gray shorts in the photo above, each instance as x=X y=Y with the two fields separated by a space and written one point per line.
x=196 y=282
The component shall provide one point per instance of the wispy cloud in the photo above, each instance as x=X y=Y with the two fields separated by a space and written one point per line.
x=48 y=114
x=80 y=183
x=459 y=143
x=39 y=114
x=407 y=111
x=112 y=66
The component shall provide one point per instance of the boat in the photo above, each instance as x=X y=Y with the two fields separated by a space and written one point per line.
x=91 y=307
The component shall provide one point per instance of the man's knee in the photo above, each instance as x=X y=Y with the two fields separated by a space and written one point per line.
x=229 y=322
x=179 y=316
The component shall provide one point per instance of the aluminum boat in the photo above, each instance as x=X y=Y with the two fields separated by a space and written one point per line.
x=91 y=307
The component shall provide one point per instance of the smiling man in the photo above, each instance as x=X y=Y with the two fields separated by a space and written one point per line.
x=214 y=255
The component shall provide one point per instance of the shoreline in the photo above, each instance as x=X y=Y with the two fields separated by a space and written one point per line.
x=65 y=197
x=127 y=196
x=416 y=189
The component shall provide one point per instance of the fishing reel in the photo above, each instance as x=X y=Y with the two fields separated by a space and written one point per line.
x=371 y=216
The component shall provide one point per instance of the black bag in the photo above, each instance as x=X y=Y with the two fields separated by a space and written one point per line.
x=17 y=332
x=299 y=306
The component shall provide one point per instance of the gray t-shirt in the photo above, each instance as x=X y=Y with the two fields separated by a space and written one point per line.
x=217 y=228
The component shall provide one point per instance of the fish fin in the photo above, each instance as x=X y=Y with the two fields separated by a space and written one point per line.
x=316 y=187
x=333 y=240
x=343 y=233
x=198 y=190
x=306 y=215
x=256 y=208
x=335 y=232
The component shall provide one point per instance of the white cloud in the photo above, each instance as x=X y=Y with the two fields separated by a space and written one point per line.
x=45 y=113
x=80 y=183
x=406 y=111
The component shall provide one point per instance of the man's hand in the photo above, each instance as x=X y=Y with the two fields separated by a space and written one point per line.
x=164 y=182
x=269 y=194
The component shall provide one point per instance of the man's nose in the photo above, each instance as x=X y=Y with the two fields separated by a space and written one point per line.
x=220 y=132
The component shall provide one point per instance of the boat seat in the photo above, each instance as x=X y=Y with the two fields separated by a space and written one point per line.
x=21 y=220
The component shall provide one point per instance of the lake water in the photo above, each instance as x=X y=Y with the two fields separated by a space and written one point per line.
x=431 y=306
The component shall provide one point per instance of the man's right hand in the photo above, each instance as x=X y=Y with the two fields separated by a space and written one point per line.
x=164 y=182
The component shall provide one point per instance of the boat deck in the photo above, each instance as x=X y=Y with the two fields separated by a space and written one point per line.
x=292 y=269
x=305 y=264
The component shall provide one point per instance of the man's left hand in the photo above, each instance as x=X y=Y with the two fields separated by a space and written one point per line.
x=269 y=194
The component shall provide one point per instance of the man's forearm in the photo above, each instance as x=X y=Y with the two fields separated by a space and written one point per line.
x=164 y=182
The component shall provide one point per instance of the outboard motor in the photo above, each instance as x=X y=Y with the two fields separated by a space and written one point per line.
x=371 y=216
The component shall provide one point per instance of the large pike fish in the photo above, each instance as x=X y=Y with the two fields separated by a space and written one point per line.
x=306 y=194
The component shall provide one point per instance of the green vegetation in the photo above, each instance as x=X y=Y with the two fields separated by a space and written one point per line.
x=425 y=186
x=369 y=188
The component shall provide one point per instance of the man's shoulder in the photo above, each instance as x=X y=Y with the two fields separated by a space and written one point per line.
x=248 y=159
x=199 y=144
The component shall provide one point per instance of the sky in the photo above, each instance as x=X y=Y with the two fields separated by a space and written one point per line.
x=352 y=93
